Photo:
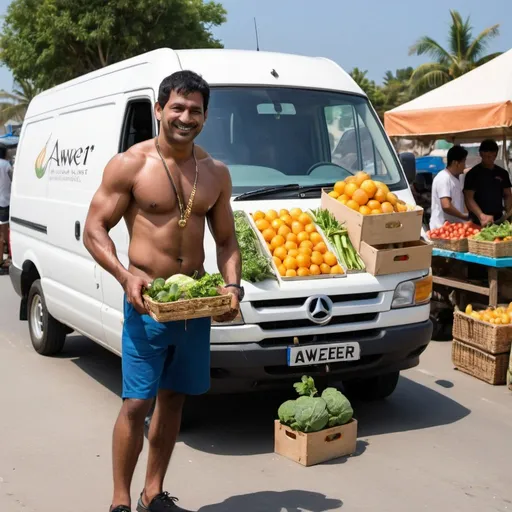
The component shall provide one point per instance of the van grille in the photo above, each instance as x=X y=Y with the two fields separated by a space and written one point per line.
x=337 y=320
x=299 y=301
x=322 y=338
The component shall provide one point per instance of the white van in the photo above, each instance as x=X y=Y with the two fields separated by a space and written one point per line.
x=286 y=122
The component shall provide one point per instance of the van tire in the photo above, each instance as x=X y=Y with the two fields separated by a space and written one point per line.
x=372 y=388
x=47 y=334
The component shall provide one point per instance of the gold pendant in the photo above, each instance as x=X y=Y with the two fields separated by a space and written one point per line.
x=182 y=223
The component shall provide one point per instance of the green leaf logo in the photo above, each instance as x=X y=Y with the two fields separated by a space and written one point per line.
x=40 y=165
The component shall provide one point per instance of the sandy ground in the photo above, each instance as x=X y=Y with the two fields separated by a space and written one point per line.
x=442 y=442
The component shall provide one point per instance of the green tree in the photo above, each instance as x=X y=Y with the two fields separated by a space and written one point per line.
x=371 y=89
x=397 y=87
x=17 y=102
x=463 y=54
x=51 y=41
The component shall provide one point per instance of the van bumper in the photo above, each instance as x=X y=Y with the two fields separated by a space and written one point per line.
x=250 y=365
x=15 y=275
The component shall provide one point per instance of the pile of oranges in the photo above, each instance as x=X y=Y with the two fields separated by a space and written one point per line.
x=366 y=196
x=296 y=246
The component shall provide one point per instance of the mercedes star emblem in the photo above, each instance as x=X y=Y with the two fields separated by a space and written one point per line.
x=319 y=309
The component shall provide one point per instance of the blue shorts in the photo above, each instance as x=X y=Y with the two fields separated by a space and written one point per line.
x=171 y=355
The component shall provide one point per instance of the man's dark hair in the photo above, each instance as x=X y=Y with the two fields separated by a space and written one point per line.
x=489 y=145
x=183 y=82
x=456 y=154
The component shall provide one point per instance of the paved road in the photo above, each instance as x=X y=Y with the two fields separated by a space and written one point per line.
x=441 y=443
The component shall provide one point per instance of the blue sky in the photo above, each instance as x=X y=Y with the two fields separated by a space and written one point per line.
x=370 y=34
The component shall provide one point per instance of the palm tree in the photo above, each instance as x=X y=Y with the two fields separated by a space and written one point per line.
x=463 y=55
x=22 y=95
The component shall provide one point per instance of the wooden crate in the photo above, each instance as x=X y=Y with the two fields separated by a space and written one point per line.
x=317 y=447
x=490 y=249
x=473 y=361
x=451 y=245
x=493 y=339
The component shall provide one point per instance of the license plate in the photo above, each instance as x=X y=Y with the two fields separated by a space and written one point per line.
x=323 y=353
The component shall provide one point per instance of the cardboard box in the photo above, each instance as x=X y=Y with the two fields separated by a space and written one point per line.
x=317 y=447
x=380 y=261
x=376 y=229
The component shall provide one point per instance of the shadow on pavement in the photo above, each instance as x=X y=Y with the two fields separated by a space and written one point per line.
x=269 y=501
x=243 y=424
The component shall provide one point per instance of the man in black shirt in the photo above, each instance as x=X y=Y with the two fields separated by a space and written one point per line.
x=487 y=186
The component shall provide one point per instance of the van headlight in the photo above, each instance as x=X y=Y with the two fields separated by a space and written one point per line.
x=413 y=293
x=238 y=320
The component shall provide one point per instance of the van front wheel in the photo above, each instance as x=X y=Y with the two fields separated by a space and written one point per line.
x=47 y=334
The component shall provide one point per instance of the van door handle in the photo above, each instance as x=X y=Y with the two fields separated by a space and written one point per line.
x=77 y=230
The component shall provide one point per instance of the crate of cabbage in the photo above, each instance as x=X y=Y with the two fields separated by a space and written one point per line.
x=182 y=297
x=314 y=429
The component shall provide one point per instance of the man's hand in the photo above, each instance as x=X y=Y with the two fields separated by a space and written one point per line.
x=486 y=219
x=235 y=307
x=133 y=287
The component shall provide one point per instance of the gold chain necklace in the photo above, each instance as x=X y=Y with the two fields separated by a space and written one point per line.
x=184 y=213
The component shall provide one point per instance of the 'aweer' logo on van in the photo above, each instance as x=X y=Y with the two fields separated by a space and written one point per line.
x=41 y=165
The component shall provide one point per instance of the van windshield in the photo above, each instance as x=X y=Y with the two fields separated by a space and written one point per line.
x=272 y=137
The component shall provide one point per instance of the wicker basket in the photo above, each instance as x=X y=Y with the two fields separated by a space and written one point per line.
x=490 y=249
x=487 y=367
x=188 y=309
x=451 y=245
x=494 y=339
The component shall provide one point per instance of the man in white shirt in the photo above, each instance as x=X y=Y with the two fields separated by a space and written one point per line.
x=5 y=199
x=447 y=195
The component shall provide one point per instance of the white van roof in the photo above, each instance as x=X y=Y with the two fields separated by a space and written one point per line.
x=217 y=66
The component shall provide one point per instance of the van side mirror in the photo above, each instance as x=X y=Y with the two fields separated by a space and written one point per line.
x=408 y=161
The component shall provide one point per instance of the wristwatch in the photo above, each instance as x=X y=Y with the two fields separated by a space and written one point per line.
x=241 y=291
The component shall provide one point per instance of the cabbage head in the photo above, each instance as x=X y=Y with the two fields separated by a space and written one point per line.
x=338 y=406
x=181 y=280
x=286 y=412
x=310 y=414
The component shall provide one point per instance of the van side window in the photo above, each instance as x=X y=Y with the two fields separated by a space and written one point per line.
x=138 y=124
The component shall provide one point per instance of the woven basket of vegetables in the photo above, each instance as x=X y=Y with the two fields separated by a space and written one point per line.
x=184 y=298
x=494 y=241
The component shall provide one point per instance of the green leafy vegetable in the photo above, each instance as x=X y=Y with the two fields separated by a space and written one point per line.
x=338 y=406
x=207 y=286
x=286 y=412
x=310 y=414
x=490 y=233
x=179 y=287
x=306 y=387
x=255 y=267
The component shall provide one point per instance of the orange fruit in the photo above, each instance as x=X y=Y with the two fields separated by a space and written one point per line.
x=316 y=238
x=343 y=198
x=262 y=224
x=306 y=243
x=387 y=207
x=281 y=253
x=297 y=227
x=271 y=215
x=350 y=179
x=373 y=204
x=310 y=228
x=339 y=187
x=350 y=189
x=334 y=194
x=277 y=241
x=258 y=215
x=325 y=269
x=277 y=261
x=353 y=205
x=303 y=260
x=290 y=245
x=303 y=272
x=382 y=186
x=365 y=210
x=360 y=197
x=320 y=247
x=337 y=270
x=291 y=237
x=401 y=207
x=290 y=263
x=369 y=187
x=360 y=177
x=330 y=259
x=269 y=247
x=276 y=224
x=284 y=230
x=287 y=219
x=282 y=270
x=380 y=196
x=268 y=234
x=305 y=250
x=293 y=253
x=376 y=211
x=391 y=198
x=314 y=270
x=291 y=273
x=283 y=212
x=303 y=235
x=295 y=212
x=305 y=219
x=317 y=258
